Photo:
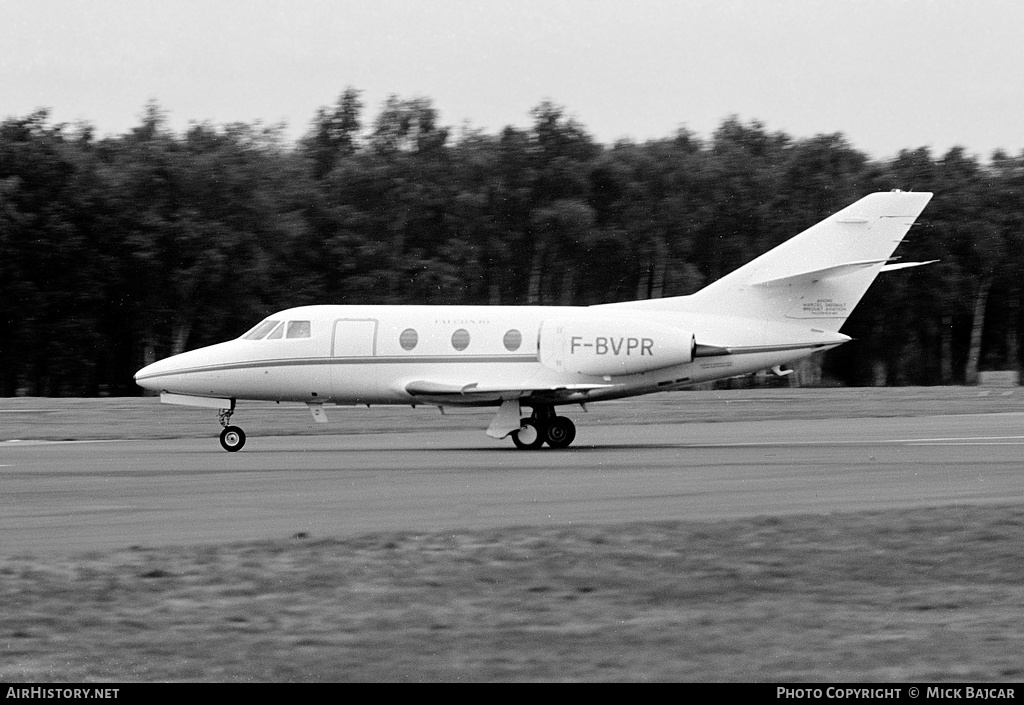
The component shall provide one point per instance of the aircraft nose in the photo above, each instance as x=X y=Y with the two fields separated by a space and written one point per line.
x=156 y=376
x=144 y=377
x=179 y=373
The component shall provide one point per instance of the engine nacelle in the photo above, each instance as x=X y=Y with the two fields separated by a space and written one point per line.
x=612 y=346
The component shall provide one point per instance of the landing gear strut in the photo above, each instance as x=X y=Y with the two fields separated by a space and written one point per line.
x=542 y=427
x=232 y=438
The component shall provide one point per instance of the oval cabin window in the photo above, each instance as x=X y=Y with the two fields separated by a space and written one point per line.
x=408 y=339
x=460 y=339
x=513 y=339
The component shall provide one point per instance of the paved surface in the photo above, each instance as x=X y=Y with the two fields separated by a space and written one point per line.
x=62 y=498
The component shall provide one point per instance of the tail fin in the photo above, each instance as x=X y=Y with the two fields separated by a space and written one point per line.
x=820 y=274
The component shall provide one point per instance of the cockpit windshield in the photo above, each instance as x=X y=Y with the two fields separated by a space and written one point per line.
x=260 y=330
x=278 y=330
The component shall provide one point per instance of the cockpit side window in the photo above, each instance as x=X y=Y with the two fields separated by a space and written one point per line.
x=298 y=329
x=260 y=330
x=276 y=333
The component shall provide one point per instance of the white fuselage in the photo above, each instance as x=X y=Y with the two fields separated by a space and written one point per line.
x=376 y=354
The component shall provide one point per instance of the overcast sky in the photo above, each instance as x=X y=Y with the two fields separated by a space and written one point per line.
x=889 y=74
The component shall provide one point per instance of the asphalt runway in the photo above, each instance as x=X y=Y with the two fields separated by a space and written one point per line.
x=59 y=498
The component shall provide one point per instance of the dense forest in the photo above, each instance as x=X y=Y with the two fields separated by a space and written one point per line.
x=121 y=250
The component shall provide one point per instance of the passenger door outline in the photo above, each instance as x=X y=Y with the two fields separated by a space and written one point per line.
x=354 y=337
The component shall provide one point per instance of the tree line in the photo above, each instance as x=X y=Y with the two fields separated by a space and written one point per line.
x=119 y=250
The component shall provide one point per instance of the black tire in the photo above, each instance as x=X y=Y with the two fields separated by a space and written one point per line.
x=528 y=428
x=560 y=433
x=232 y=438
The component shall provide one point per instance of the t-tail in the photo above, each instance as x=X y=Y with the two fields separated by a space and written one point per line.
x=818 y=276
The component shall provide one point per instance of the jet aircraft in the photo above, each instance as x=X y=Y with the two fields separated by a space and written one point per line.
x=784 y=305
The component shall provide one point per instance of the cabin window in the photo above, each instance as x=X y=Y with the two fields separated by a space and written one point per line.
x=260 y=330
x=513 y=339
x=298 y=329
x=408 y=339
x=276 y=333
x=460 y=339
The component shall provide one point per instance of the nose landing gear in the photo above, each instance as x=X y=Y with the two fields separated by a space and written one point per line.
x=232 y=438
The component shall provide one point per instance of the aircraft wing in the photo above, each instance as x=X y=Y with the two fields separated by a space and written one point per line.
x=474 y=393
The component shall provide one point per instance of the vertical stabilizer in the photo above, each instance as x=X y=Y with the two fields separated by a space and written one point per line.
x=818 y=276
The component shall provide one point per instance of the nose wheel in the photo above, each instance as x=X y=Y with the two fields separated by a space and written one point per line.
x=232 y=438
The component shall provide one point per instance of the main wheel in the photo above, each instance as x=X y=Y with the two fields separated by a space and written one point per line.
x=232 y=438
x=560 y=432
x=528 y=436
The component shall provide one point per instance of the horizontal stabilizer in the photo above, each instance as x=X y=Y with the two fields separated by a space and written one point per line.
x=815 y=275
x=905 y=265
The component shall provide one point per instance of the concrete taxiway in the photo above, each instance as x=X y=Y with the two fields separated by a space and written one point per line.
x=68 y=497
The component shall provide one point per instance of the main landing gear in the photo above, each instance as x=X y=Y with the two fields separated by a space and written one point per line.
x=232 y=438
x=544 y=427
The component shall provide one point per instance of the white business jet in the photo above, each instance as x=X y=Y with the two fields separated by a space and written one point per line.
x=785 y=305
